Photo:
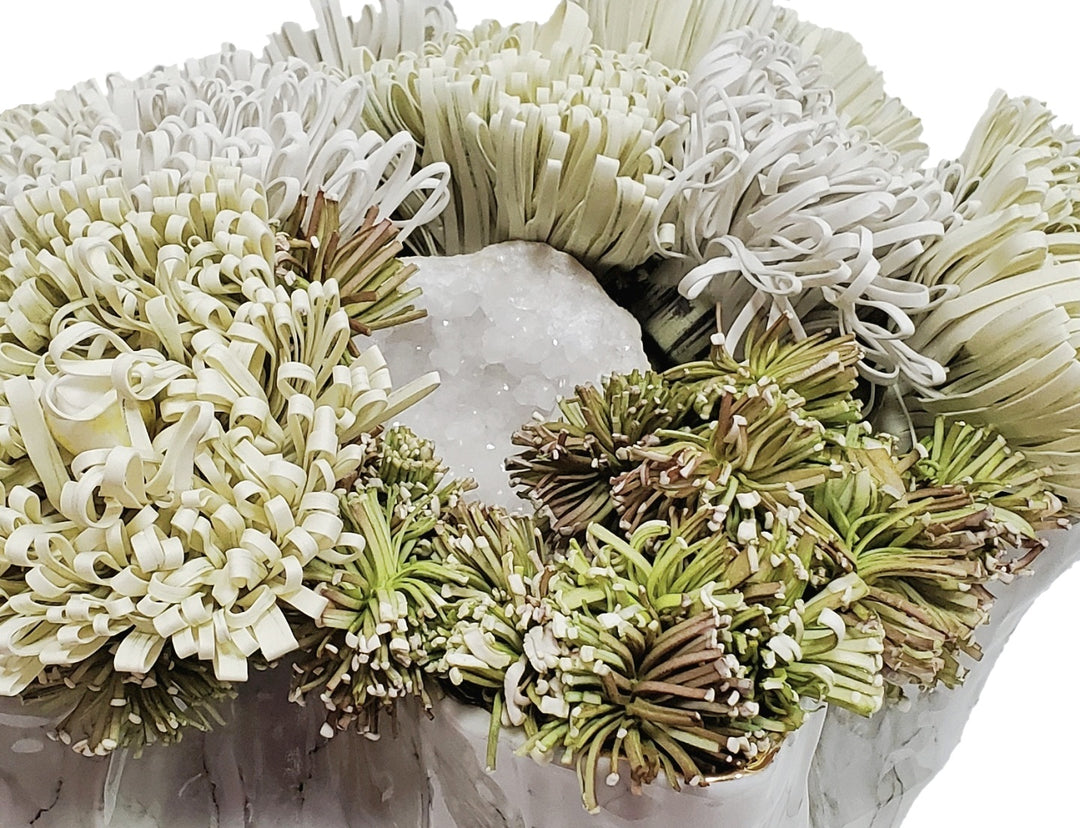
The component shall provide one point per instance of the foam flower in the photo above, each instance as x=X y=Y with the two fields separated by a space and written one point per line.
x=348 y=44
x=33 y=139
x=175 y=420
x=930 y=533
x=291 y=127
x=567 y=464
x=367 y=650
x=681 y=34
x=549 y=138
x=780 y=207
x=1008 y=337
x=659 y=652
x=480 y=641
x=624 y=452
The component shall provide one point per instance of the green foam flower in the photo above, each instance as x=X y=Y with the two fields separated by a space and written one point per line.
x=601 y=460
x=666 y=651
x=929 y=533
x=567 y=464
x=366 y=651
x=548 y=138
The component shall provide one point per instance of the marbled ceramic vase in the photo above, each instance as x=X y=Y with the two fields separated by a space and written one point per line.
x=867 y=772
x=521 y=793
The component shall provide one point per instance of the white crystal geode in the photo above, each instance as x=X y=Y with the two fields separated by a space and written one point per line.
x=510 y=328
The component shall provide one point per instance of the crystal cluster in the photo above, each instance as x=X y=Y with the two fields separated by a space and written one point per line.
x=508 y=330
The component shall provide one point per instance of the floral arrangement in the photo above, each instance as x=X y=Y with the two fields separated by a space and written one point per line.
x=857 y=422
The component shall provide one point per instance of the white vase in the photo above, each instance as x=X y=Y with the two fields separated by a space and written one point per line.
x=520 y=793
x=269 y=767
x=868 y=772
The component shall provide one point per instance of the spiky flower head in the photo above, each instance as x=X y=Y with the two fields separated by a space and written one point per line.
x=481 y=640
x=567 y=465
x=624 y=451
x=660 y=652
x=820 y=370
x=929 y=532
x=367 y=649
x=313 y=247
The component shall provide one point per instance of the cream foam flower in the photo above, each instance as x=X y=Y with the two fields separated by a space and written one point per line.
x=680 y=33
x=293 y=128
x=780 y=208
x=78 y=122
x=173 y=424
x=549 y=138
x=1010 y=337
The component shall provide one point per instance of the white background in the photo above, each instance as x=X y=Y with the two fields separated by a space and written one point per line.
x=944 y=59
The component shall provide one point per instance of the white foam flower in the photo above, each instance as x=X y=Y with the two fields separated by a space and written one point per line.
x=782 y=209
x=858 y=88
x=680 y=33
x=173 y=424
x=294 y=128
x=1010 y=336
x=549 y=138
